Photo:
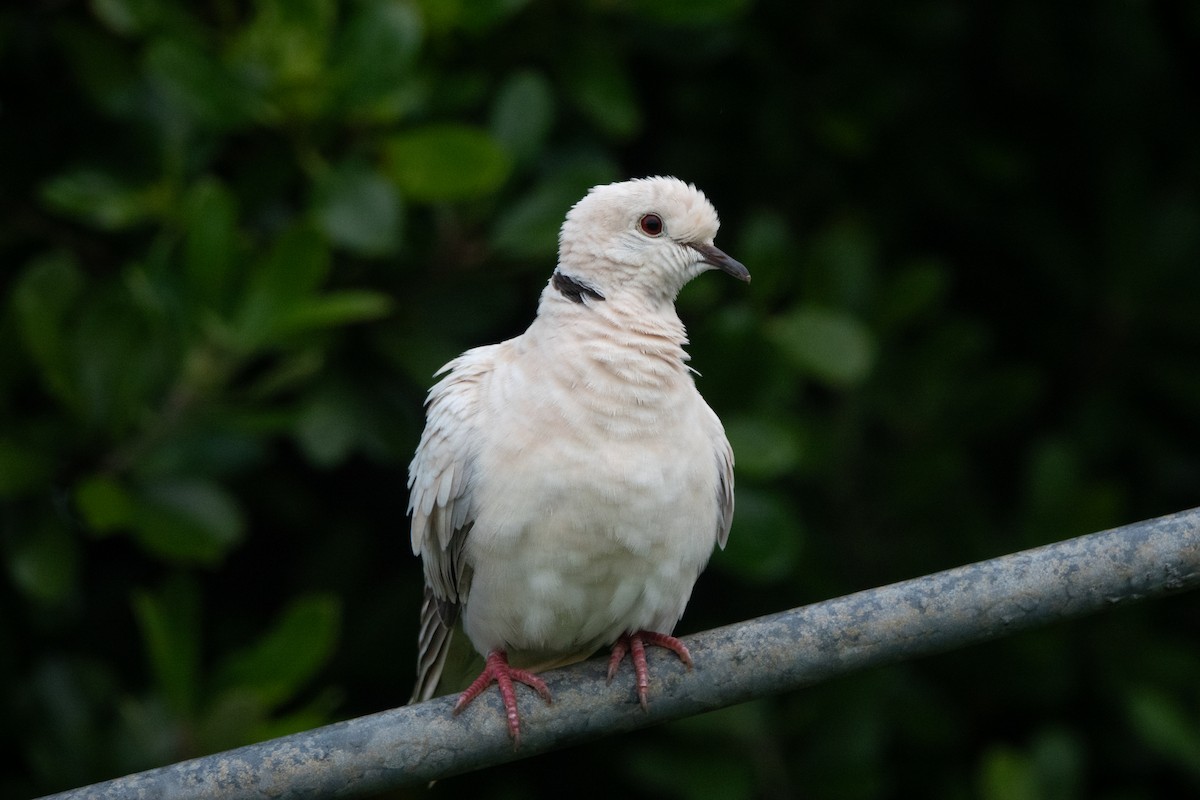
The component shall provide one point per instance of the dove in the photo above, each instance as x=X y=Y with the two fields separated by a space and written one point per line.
x=571 y=483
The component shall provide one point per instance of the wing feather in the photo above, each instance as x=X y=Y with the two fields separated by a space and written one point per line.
x=724 y=465
x=439 y=482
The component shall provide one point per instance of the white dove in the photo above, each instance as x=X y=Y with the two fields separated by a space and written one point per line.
x=571 y=482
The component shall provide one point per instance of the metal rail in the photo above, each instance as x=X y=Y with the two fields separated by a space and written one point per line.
x=776 y=653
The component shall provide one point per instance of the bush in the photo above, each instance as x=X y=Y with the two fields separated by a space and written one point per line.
x=239 y=238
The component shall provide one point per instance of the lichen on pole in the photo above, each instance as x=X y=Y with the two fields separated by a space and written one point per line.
x=777 y=653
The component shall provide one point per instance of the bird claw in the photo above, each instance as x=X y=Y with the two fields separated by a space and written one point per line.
x=497 y=670
x=635 y=645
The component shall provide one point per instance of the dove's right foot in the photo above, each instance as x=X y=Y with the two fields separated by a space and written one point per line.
x=635 y=645
x=498 y=670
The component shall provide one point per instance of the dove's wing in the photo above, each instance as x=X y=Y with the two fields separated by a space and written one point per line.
x=440 y=480
x=724 y=465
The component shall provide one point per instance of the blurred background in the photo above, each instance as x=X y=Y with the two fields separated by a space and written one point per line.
x=237 y=239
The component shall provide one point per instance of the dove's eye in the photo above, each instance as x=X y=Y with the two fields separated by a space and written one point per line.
x=651 y=224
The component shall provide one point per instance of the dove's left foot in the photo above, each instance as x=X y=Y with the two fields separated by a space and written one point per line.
x=497 y=670
x=635 y=645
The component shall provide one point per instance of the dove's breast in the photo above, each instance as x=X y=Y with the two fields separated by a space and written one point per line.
x=593 y=521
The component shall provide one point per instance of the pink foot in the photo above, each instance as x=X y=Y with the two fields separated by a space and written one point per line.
x=635 y=644
x=498 y=671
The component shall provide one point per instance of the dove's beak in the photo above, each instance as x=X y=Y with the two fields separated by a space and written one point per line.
x=715 y=256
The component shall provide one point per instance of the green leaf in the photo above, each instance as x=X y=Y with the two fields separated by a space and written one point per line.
x=1164 y=726
x=842 y=263
x=102 y=65
x=764 y=448
x=293 y=369
x=313 y=714
x=24 y=467
x=849 y=134
x=278 y=665
x=1058 y=759
x=104 y=503
x=97 y=198
x=373 y=59
x=280 y=284
x=1053 y=479
x=484 y=15
x=693 y=13
x=284 y=48
x=446 y=162
x=210 y=247
x=231 y=719
x=334 y=309
x=187 y=521
x=198 y=88
x=914 y=294
x=767 y=246
x=599 y=86
x=123 y=358
x=359 y=210
x=126 y=17
x=477 y=17
x=676 y=772
x=528 y=228
x=832 y=346
x=288 y=38
x=45 y=565
x=170 y=623
x=44 y=298
x=328 y=427
x=146 y=732
x=238 y=716
x=297 y=265
x=66 y=690
x=766 y=538
x=216 y=446
x=1007 y=774
x=523 y=114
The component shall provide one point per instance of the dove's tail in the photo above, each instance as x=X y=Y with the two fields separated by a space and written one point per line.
x=433 y=645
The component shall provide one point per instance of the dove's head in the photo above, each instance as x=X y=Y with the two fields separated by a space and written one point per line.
x=650 y=236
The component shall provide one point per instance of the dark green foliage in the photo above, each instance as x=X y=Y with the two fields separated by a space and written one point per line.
x=237 y=240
